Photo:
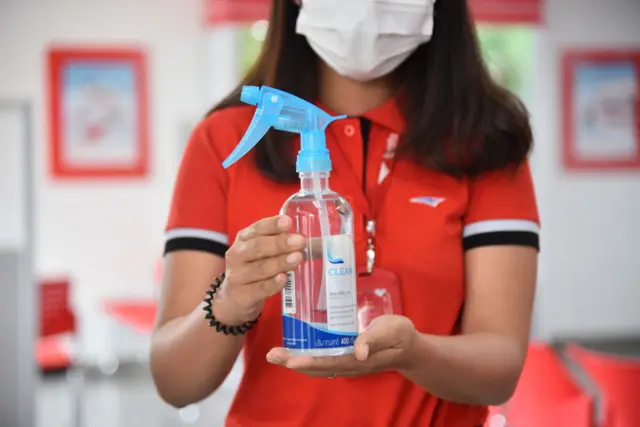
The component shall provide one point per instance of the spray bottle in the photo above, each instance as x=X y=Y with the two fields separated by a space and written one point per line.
x=319 y=301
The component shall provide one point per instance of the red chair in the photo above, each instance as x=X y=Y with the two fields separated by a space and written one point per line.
x=619 y=381
x=137 y=315
x=140 y=316
x=56 y=319
x=547 y=395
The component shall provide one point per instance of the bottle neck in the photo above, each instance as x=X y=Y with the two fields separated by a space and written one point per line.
x=314 y=181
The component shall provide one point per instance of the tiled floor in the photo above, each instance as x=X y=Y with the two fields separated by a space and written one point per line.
x=127 y=399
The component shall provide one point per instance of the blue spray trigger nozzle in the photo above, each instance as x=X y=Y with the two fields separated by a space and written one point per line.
x=250 y=95
x=286 y=112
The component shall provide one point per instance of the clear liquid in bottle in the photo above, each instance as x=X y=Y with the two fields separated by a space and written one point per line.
x=319 y=302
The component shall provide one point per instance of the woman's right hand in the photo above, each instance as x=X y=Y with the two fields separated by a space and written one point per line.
x=256 y=268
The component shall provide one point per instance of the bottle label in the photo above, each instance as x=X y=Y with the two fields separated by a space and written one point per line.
x=340 y=279
x=337 y=298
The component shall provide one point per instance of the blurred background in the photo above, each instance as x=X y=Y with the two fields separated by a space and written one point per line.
x=97 y=99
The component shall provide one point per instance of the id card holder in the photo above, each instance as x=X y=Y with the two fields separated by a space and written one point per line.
x=378 y=294
x=378 y=289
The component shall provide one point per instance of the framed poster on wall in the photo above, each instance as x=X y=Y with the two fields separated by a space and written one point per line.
x=98 y=113
x=601 y=106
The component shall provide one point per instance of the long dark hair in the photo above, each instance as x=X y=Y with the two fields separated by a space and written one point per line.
x=459 y=121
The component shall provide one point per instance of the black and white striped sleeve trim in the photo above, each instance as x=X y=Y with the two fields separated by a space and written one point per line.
x=501 y=232
x=196 y=239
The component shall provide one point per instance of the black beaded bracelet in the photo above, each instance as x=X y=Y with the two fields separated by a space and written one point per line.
x=215 y=323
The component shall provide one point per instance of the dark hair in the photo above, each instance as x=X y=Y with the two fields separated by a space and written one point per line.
x=459 y=121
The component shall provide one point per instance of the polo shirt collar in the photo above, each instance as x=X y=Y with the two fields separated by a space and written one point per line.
x=387 y=115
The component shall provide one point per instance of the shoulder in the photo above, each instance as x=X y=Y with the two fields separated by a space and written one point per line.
x=222 y=129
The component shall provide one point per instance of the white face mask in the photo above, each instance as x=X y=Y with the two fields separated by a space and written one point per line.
x=365 y=39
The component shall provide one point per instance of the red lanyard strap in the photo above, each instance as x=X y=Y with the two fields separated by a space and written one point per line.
x=369 y=206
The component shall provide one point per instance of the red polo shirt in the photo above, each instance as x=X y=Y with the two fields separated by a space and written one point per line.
x=426 y=223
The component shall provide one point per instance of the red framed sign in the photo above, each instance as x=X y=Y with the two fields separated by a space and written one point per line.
x=507 y=11
x=601 y=110
x=236 y=11
x=492 y=11
x=98 y=113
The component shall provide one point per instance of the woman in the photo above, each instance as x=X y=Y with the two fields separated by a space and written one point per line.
x=457 y=226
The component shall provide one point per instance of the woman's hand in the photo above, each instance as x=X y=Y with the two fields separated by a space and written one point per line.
x=385 y=345
x=256 y=267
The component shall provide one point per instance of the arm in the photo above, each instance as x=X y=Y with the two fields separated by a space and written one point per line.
x=189 y=360
x=500 y=238
x=481 y=366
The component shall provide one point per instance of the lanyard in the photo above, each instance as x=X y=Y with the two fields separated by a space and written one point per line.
x=369 y=206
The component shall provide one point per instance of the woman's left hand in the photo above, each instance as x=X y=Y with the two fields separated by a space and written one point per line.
x=383 y=346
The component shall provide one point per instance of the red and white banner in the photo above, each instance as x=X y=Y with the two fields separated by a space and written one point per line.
x=219 y=12
x=489 y=11
x=507 y=11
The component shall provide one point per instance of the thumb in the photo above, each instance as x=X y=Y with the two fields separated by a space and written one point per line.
x=372 y=340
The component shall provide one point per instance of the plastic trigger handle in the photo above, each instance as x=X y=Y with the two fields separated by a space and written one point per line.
x=269 y=108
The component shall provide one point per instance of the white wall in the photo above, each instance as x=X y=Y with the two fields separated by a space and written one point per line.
x=107 y=235
x=590 y=272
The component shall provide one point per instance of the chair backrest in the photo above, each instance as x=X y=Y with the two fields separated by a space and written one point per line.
x=547 y=395
x=56 y=315
x=618 y=379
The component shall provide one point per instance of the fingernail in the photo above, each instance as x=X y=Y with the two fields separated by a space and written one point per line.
x=295 y=240
x=294 y=258
x=283 y=222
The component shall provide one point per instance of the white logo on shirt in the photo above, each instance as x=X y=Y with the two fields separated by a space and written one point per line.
x=392 y=143
x=390 y=152
x=384 y=172
x=434 y=202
